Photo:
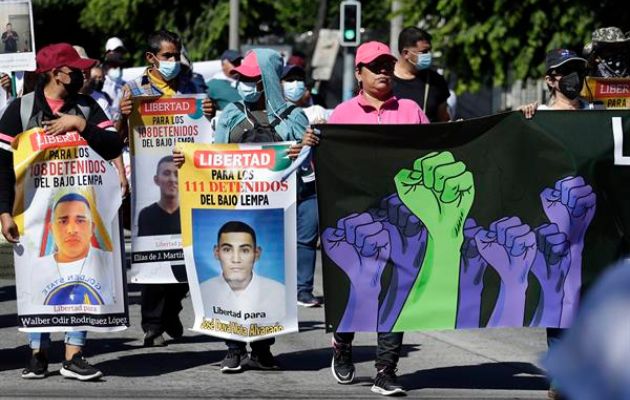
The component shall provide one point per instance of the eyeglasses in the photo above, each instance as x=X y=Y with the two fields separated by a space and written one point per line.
x=380 y=66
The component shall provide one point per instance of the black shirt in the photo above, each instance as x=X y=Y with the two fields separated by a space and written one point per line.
x=153 y=220
x=10 y=41
x=414 y=89
x=107 y=143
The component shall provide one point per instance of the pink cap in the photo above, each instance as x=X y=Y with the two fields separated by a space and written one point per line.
x=370 y=51
x=249 y=66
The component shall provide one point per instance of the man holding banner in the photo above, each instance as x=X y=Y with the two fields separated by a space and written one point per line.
x=71 y=123
x=153 y=132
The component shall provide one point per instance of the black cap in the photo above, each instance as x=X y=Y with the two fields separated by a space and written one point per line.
x=293 y=70
x=558 y=57
x=231 y=56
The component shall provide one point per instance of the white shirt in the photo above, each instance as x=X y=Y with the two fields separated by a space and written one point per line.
x=114 y=90
x=86 y=281
x=262 y=295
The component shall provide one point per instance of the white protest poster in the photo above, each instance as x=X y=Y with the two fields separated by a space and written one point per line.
x=69 y=261
x=17 y=40
x=239 y=235
x=156 y=125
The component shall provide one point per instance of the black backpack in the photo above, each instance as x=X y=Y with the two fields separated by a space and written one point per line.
x=261 y=131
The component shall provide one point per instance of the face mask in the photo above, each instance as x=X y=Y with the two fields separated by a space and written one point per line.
x=169 y=69
x=423 y=61
x=248 y=91
x=571 y=85
x=76 y=82
x=97 y=84
x=294 y=91
x=114 y=74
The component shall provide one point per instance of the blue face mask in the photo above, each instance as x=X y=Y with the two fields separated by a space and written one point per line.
x=169 y=69
x=423 y=61
x=294 y=91
x=248 y=91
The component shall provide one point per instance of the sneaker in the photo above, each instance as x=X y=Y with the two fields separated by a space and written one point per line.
x=234 y=360
x=262 y=360
x=37 y=367
x=79 y=368
x=386 y=383
x=174 y=329
x=307 y=300
x=342 y=367
x=153 y=339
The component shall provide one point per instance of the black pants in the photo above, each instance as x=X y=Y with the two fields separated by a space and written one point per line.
x=388 y=347
x=260 y=345
x=161 y=304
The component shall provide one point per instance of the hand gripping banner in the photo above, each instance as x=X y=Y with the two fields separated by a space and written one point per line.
x=492 y=222
x=239 y=235
x=156 y=125
x=68 y=265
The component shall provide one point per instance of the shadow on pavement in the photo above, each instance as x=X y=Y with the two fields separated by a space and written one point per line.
x=317 y=359
x=7 y=293
x=500 y=375
x=307 y=326
x=14 y=358
x=154 y=364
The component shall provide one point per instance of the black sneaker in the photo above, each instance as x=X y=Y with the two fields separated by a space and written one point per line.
x=386 y=383
x=342 y=367
x=79 y=368
x=153 y=339
x=174 y=328
x=307 y=300
x=37 y=367
x=234 y=360
x=262 y=360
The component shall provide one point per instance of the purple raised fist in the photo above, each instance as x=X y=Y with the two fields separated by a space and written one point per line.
x=471 y=272
x=550 y=268
x=510 y=248
x=408 y=239
x=571 y=205
x=361 y=247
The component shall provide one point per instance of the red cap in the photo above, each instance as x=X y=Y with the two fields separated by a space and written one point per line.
x=370 y=51
x=60 y=54
x=249 y=66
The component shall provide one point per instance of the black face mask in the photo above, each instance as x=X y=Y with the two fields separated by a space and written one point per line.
x=571 y=85
x=97 y=84
x=76 y=82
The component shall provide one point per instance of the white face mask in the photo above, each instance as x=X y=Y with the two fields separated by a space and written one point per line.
x=248 y=91
x=294 y=91
x=114 y=73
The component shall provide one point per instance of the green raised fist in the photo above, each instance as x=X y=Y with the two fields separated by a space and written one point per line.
x=440 y=192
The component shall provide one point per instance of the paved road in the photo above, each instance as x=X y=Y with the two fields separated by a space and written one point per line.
x=475 y=364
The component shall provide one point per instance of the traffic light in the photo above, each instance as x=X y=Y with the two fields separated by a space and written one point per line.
x=350 y=23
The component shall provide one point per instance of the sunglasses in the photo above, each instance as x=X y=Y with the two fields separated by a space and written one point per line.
x=379 y=66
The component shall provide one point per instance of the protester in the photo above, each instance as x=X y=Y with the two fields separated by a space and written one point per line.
x=564 y=78
x=59 y=108
x=295 y=91
x=262 y=116
x=375 y=104
x=115 y=59
x=415 y=80
x=161 y=303
x=187 y=73
x=608 y=53
x=222 y=87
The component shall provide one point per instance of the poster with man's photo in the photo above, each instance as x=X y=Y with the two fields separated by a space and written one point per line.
x=156 y=125
x=17 y=40
x=239 y=237
x=69 y=262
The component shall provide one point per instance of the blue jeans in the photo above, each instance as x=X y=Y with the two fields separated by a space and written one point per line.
x=306 y=243
x=39 y=340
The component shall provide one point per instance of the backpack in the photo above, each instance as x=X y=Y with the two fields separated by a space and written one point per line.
x=262 y=131
x=26 y=109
